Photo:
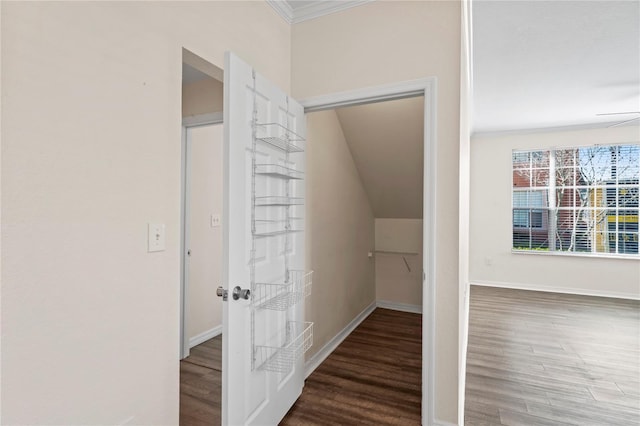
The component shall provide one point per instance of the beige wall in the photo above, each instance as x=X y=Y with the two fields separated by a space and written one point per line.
x=90 y=154
x=340 y=232
x=394 y=281
x=366 y=46
x=204 y=308
x=202 y=97
x=491 y=259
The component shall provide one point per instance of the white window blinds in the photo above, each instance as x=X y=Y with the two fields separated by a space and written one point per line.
x=577 y=199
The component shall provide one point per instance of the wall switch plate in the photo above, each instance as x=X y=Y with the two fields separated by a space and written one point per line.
x=156 y=237
x=216 y=220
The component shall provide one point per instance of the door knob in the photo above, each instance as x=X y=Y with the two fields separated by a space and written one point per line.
x=221 y=292
x=239 y=293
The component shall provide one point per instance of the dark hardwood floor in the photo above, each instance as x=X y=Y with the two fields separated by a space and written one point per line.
x=201 y=384
x=372 y=378
x=534 y=359
x=540 y=359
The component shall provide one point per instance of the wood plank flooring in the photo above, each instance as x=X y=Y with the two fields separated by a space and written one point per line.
x=542 y=359
x=373 y=377
x=201 y=384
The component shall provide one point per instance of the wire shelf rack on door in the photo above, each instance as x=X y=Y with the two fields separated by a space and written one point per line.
x=280 y=359
x=277 y=211
x=275 y=200
x=281 y=296
x=279 y=136
x=278 y=171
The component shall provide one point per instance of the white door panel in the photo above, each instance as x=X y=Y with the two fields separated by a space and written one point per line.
x=262 y=371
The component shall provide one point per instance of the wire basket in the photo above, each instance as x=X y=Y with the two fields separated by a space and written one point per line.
x=276 y=200
x=279 y=296
x=280 y=359
x=267 y=228
x=277 y=135
x=278 y=171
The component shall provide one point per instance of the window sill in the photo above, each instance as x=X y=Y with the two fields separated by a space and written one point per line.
x=573 y=254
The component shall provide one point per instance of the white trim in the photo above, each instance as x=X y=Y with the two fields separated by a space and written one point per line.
x=312 y=10
x=367 y=95
x=437 y=422
x=552 y=289
x=283 y=9
x=575 y=127
x=396 y=306
x=429 y=251
x=319 y=357
x=464 y=198
x=428 y=88
x=202 y=119
x=621 y=256
x=184 y=236
x=317 y=9
x=205 y=335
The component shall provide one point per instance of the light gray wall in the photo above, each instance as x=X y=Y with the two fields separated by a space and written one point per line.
x=91 y=124
x=491 y=259
x=395 y=282
x=340 y=231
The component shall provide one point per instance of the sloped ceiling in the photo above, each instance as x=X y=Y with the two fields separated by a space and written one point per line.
x=386 y=142
x=192 y=75
x=543 y=64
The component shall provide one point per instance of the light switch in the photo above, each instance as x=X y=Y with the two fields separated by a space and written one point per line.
x=215 y=220
x=156 y=237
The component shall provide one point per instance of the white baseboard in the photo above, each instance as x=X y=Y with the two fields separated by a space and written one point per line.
x=552 y=289
x=317 y=359
x=204 y=336
x=437 y=422
x=404 y=307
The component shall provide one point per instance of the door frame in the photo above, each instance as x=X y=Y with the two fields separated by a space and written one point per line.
x=185 y=173
x=426 y=87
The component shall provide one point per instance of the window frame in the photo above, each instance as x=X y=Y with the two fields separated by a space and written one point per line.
x=592 y=237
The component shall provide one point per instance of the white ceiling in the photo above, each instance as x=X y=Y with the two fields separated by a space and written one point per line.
x=541 y=64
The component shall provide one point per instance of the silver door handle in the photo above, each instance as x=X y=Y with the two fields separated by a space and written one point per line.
x=221 y=292
x=239 y=293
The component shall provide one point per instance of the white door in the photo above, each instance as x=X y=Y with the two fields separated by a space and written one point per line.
x=203 y=232
x=263 y=336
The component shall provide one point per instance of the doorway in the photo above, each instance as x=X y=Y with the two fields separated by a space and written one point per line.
x=201 y=242
x=426 y=88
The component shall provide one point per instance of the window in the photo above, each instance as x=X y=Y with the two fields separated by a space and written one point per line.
x=581 y=200
x=527 y=209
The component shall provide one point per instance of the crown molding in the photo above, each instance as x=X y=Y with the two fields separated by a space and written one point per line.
x=283 y=9
x=556 y=129
x=312 y=10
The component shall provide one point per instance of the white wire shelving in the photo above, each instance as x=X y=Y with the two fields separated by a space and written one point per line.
x=278 y=200
x=268 y=228
x=282 y=296
x=279 y=136
x=277 y=350
x=281 y=358
x=278 y=171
